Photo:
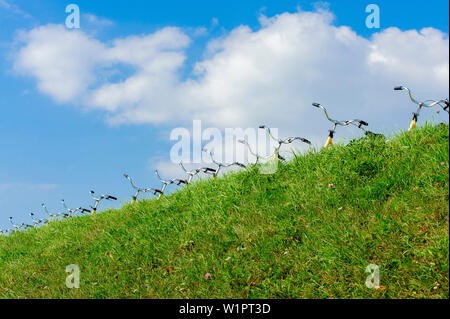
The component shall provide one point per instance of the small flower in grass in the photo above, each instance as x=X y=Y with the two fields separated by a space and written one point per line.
x=436 y=285
x=207 y=276
x=442 y=163
x=330 y=185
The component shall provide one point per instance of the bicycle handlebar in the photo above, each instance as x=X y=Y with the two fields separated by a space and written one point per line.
x=423 y=104
x=211 y=154
x=292 y=139
x=258 y=157
x=326 y=113
x=341 y=123
x=182 y=166
x=161 y=180
x=270 y=133
x=131 y=182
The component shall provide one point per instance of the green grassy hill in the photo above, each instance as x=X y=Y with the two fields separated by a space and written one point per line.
x=287 y=235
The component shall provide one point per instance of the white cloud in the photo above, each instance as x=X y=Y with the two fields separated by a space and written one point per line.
x=249 y=77
x=200 y=31
x=14 y=9
x=4 y=4
x=214 y=22
x=96 y=21
x=62 y=61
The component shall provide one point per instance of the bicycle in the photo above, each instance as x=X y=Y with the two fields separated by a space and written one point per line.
x=215 y=172
x=285 y=141
x=165 y=184
x=71 y=212
x=190 y=174
x=98 y=200
x=442 y=103
x=257 y=156
x=17 y=227
x=138 y=189
x=37 y=222
x=355 y=122
x=52 y=216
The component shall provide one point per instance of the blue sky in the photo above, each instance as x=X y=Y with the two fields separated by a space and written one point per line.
x=52 y=149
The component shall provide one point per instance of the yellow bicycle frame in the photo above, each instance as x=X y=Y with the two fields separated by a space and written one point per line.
x=329 y=142
x=94 y=210
x=414 y=121
x=412 y=125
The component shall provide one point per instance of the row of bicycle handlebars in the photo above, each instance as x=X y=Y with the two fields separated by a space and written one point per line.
x=444 y=104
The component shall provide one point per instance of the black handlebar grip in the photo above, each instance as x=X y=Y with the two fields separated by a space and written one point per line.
x=364 y=123
x=316 y=104
x=112 y=197
x=306 y=141
x=262 y=126
x=398 y=88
